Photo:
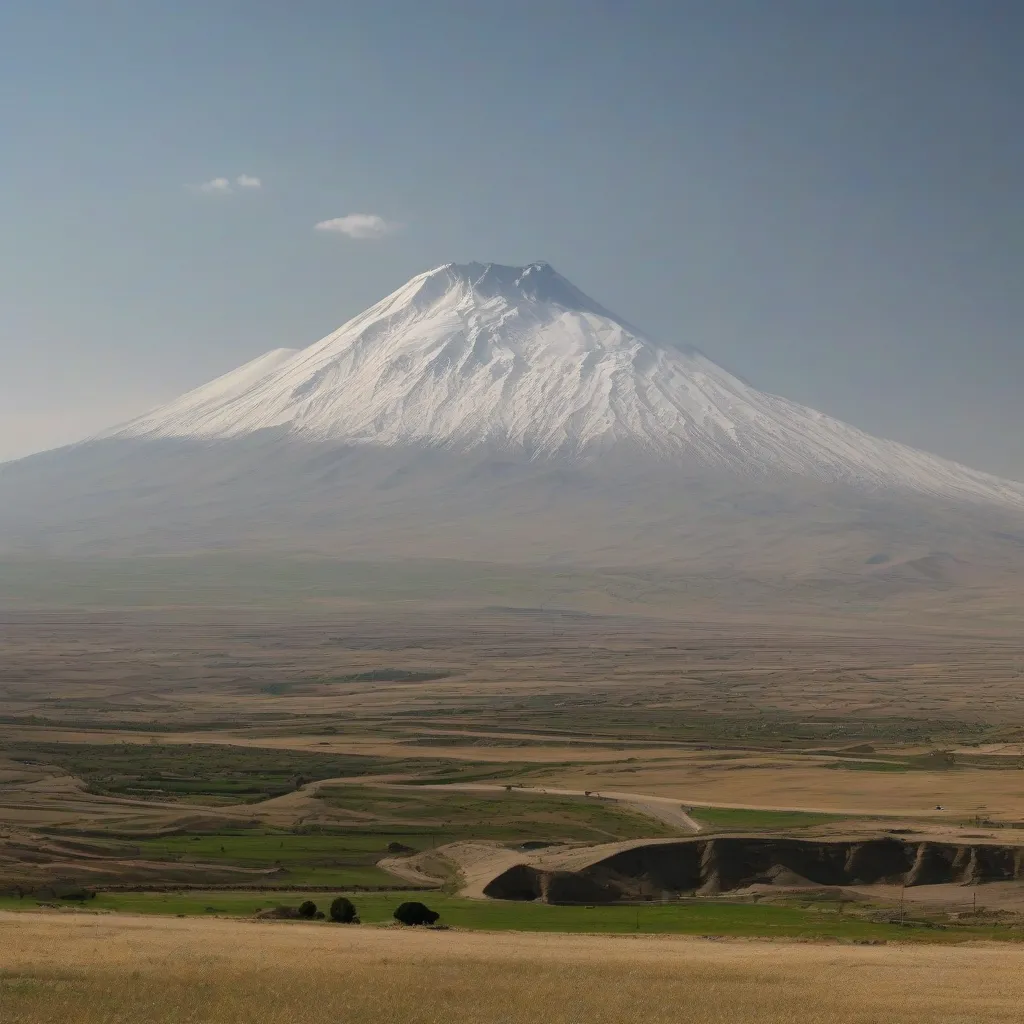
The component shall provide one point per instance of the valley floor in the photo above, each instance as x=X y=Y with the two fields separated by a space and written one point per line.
x=193 y=766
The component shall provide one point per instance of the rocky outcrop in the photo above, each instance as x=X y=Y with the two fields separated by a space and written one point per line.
x=723 y=864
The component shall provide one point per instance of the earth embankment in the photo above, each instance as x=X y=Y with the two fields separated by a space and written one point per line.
x=723 y=864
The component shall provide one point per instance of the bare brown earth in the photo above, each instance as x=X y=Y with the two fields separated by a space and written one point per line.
x=84 y=969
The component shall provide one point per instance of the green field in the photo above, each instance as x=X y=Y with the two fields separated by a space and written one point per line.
x=343 y=854
x=505 y=816
x=414 y=817
x=339 y=858
x=361 y=822
x=687 y=917
x=212 y=774
x=741 y=819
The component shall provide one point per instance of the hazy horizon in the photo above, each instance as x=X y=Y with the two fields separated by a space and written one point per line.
x=826 y=203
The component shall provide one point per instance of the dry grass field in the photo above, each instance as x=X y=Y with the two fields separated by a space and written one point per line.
x=85 y=969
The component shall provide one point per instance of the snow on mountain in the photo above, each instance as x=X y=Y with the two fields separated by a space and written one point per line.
x=517 y=359
x=207 y=399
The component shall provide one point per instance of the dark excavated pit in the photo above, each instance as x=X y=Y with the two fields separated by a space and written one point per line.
x=707 y=867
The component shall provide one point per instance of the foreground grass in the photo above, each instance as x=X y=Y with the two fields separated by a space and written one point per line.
x=89 y=970
x=687 y=917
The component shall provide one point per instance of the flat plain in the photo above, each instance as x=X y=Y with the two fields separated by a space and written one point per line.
x=129 y=725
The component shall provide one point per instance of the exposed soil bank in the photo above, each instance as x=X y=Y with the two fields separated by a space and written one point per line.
x=710 y=866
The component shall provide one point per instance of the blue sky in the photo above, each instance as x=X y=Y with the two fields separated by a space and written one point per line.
x=824 y=196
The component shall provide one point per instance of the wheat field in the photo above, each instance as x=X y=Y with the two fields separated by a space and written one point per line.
x=93 y=969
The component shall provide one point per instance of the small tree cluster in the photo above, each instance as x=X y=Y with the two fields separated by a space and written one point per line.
x=343 y=911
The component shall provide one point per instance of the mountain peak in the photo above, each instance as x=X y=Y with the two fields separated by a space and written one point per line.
x=536 y=282
x=490 y=274
x=481 y=356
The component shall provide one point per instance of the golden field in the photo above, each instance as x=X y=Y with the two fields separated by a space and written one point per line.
x=88 y=969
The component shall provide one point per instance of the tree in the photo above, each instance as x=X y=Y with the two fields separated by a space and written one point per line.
x=307 y=909
x=343 y=911
x=414 y=913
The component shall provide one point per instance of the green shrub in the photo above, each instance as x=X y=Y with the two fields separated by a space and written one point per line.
x=343 y=911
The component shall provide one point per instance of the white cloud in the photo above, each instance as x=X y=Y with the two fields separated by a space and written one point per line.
x=216 y=186
x=360 y=226
x=224 y=186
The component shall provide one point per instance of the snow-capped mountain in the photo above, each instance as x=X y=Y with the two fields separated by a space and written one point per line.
x=518 y=360
x=497 y=414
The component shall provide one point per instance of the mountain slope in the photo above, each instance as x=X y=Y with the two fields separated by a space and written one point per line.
x=516 y=359
x=497 y=414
